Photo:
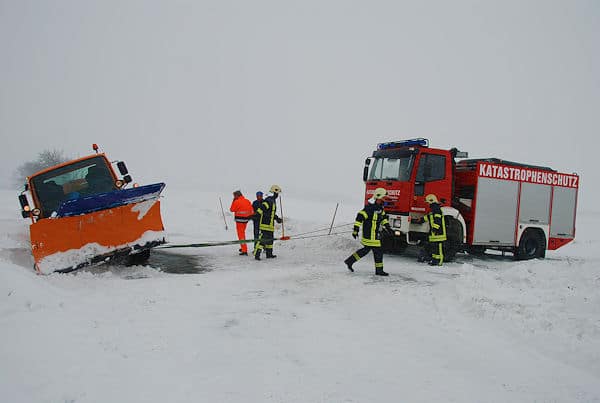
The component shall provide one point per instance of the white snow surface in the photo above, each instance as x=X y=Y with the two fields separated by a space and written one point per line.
x=299 y=328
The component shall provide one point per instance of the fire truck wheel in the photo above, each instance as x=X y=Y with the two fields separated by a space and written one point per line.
x=393 y=245
x=532 y=245
x=454 y=232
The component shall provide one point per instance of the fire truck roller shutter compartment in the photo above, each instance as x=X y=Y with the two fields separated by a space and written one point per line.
x=534 y=208
x=563 y=212
x=496 y=214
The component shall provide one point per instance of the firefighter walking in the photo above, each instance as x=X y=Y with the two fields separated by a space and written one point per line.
x=373 y=219
x=437 y=231
x=267 y=214
x=242 y=213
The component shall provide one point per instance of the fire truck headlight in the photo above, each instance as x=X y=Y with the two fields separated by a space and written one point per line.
x=397 y=223
x=397 y=233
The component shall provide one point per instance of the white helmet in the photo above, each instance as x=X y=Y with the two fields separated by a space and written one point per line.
x=431 y=198
x=275 y=189
x=380 y=193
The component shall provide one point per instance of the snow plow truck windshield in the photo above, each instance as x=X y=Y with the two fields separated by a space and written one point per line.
x=82 y=178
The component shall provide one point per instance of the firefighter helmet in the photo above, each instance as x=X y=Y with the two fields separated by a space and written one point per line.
x=431 y=198
x=380 y=193
x=275 y=189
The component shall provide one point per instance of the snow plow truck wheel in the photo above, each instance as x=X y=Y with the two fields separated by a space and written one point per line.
x=138 y=258
x=532 y=245
x=454 y=232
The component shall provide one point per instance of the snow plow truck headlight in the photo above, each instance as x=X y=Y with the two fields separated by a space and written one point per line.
x=119 y=183
x=36 y=211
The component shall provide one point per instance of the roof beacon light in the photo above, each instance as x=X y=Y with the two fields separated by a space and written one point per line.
x=421 y=142
x=95 y=147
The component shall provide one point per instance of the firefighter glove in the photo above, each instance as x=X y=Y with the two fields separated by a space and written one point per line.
x=278 y=219
x=355 y=235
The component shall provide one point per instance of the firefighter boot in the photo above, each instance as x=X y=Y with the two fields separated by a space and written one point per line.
x=270 y=254
x=349 y=263
x=379 y=272
x=423 y=257
x=257 y=254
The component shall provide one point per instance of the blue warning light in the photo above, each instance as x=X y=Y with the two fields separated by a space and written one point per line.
x=418 y=142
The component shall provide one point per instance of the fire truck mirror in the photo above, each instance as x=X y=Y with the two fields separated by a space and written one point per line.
x=366 y=169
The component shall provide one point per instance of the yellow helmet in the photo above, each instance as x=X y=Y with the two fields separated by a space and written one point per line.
x=431 y=198
x=275 y=189
x=380 y=193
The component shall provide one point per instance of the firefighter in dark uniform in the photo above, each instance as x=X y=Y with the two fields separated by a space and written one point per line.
x=437 y=231
x=267 y=217
x=373 y=219
x=256 y=218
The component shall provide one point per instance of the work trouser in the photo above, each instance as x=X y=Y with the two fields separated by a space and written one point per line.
x=436 y=251
x=240 y=227
x=256 y=223
x=265 y=241
x=362 y=252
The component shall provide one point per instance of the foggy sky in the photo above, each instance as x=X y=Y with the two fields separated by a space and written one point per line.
x=243 y=94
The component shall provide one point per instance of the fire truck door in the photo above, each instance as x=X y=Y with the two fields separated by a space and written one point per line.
x=432 y=177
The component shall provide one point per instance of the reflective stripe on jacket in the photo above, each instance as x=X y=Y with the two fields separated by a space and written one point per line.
x=267 y=211
x=437 y=224
x=372 y=218
x=242 y=209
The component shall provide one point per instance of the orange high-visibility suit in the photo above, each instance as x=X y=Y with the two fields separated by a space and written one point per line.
x=242 y=211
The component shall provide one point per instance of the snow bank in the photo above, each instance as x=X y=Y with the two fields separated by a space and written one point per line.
x=300 y=328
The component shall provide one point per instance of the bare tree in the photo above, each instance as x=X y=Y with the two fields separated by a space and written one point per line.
x=45 y=159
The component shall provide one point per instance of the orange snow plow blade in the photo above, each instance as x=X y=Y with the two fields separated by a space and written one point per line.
x=68 y=243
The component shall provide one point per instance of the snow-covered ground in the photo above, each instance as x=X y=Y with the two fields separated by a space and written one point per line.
x=299 y=328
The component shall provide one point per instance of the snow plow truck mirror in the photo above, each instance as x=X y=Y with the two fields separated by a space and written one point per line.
x=122 y=168
x=127 y=179
x=25 y=209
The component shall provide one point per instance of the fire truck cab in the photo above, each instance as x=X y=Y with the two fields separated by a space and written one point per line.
x=487 y=203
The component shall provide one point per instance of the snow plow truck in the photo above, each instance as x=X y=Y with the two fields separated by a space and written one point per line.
x=488 y=203
x=82 y=213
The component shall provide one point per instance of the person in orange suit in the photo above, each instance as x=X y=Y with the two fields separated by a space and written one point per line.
x=242 y=212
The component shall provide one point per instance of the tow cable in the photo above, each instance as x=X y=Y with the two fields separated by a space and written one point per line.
x=304 y=235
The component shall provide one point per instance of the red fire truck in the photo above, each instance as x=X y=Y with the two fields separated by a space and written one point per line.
x=488 y=203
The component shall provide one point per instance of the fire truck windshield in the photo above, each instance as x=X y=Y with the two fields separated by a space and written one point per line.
x=398 y=169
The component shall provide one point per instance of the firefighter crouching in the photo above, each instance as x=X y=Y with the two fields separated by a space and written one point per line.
x=437 y=232
x=267 y=217
x=373 y=219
